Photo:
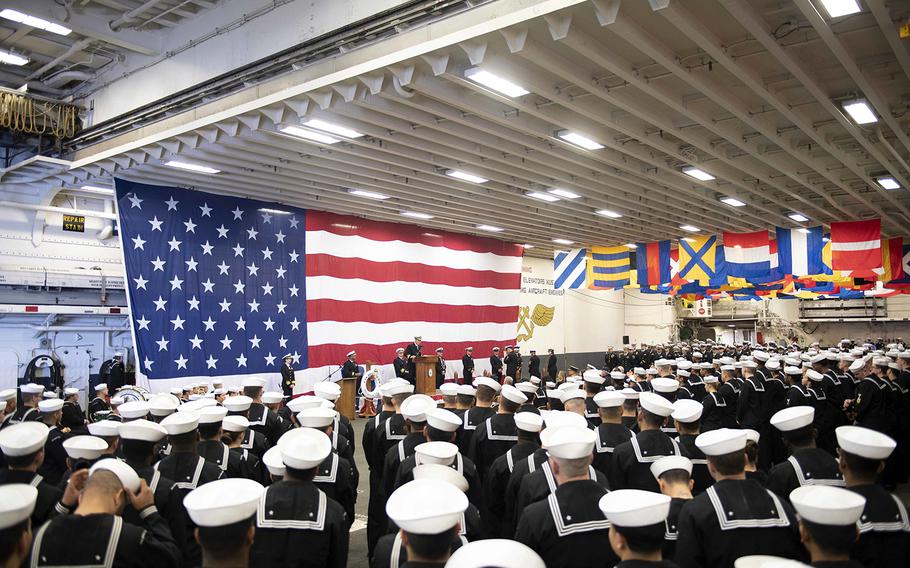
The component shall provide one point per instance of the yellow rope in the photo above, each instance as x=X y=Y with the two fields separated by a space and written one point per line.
x=20 y=113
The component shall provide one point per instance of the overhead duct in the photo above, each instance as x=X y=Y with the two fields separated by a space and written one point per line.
x=67 y=76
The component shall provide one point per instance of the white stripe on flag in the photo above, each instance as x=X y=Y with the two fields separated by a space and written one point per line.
x=856 y=245
x=356 y=333
x=359 y=290
x=565 y=264
x=799 y=252
x=353 y=246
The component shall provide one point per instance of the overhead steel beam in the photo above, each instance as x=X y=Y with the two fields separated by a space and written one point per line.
x=889 y=31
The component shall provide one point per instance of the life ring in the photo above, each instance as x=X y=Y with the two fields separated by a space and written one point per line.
x=374 y=376
x=131 y=393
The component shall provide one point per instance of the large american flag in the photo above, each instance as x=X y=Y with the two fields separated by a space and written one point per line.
x=225 y=286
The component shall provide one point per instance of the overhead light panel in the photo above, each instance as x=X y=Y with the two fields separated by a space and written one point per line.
x=527 y=246
x=860 y=111
x=803 y=230
x=494 y=82
x=608 y=213
x=888 y=182
x=838 y=8
x=690 y=228
x=732 y=202
x=368 y=194
x=697 y=173
x=564 y=193
x=97 y=188
x=417 y=215
x=542 y=196
x=688 y=239
x=199 y=168
x=579 y=140
x=798 y=217
x=274 y=211
x=490 y=228
x=34 y=22
x=11 y=58
x=312 y=135
x=565 y=242
x=458 y=174
x=332 y=128
x=632 y=246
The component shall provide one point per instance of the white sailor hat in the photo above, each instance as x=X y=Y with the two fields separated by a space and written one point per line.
x=526 y=387
x=273 y=461
x=749 y=365
x=528 y=421
x=846 y=357
x=254 y=382
x=635 y=508
x=818 y=358
x=426 y=506
x=560 y=418
x=487 y=382
x=792 y=361
x=31 y=388
x=467 y=390
x=617 y=375
x=826 y=505
x=223 y=502
x=751 y=435
x=442 y=453
x=239 y=403
x=721 y=442
x=639 y=370
x=304 y=402
x=442 y=419
x=814 y=375
x=448 y=389
x=235 y=424
x=316 y=417
x=668 y=463
x=134 y=409
x=567 y=386
x=100 y=387
x=392 y=388
x=17 y=502
x=50 y=405
x=593 y=376
x=535 y=380
x=211 y=414
x=23 y=438
x=630 y=393
x=69 y=391
x=439 y=349
x=684 y=364
x=710 y=380
x=177 y=391
x=124 y=472
x=7 y=394
x=495 y=553
x=49 y=394
x=773 y=364
x=513 y=394
x=180 y=423
x=665 y=384
x=864 y=442
x=760 y=355
x=651 y=371
x=857 y=365
x=272 y=397
x=554 y=394
x=687 y=410
x=84 y=447
x=655 y=404
x=793 y=371
x=415 y=407
x=351 y=353
x=192 y=398
x=609 y=399
x=327 y=390
x=196 y=405
x=728 y=367
x=104 y=428
x=142 y=430
x=683 y=373
x=568 y=442
x=763 y=561
x=117 y=400
x=572 y=394
x=793 y=418
x=881 y=361
x=441 y=473
x=304 y=448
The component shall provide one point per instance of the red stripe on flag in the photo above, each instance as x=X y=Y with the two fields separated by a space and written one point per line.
x=336 y=354
x=865 y=236
x=895 y=253
x=384 y=232
x=328 y=265
x=653 y=264
x=341 y=311
x=746 y=240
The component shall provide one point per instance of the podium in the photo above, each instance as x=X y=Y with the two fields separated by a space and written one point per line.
x=425 y=379
x=345 y=403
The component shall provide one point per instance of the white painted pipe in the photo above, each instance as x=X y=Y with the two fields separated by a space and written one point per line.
x=78 y=328
x=61 y=210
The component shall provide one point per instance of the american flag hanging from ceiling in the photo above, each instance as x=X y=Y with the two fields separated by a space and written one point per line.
x=225 y=286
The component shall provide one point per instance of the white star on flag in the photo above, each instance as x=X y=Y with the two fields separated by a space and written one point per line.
x=238 y=250
x=223 y=268
x=193 y=303
x=206 y=210
x=254 y=306
x=225 y=305
x=293 y=221
x=158 y=264
x=241 y=361
x=269 y=324
x=138 y=242
x=207 y=249
x=254 y=270
x=190 y=226
x=176 y=283
x=174 y=244
x=156 y=224
x=269 y=359
x=254 y=342
x=209 y=324
x=239 y=287
x=238 y=214
x=191 y=264
x=210 y=362
x=140 y=283
x=135 y=201
x=172 y=204
x=222 y=232
x=208 y=285
x=178 y=322
x=251 y=234
x=226 y=343
x=181 y=361
x=197 y=343
x=241 y=323
x=266 y=253
x=143 y=323
x=160 y=303
x=280 y=236
x=162 y=344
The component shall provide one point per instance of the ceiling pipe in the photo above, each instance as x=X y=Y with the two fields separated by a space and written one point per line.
x=62 y=210
x=67 y=76
x=74 y=49
x=133 y=14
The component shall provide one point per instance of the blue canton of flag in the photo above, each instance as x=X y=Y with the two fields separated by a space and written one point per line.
x=569 y=269
x=216 y=284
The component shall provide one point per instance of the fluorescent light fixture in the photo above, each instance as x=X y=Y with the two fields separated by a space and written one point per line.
x=566 y=242
x=191 y=167
x=309 y=135
x=564 y=193
x=494 y=82
x=579 y=140
x=632 y=246
x=888 y=182
x=34 y=22
x=688 y=239
x=490 y=228
x=697 y=173
x=332 y=128
x=527 y=246
x=732 y=202
x=860 y=111
x=11 y=58
x=608 y=213
x=803 y=230
x=458 y=174
x=417 y=215
x=690 y=228
x=274 y=211
x=368 y=194
x=97 y=189
x=838 y=8
x=798 y=217
x=542 y=196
